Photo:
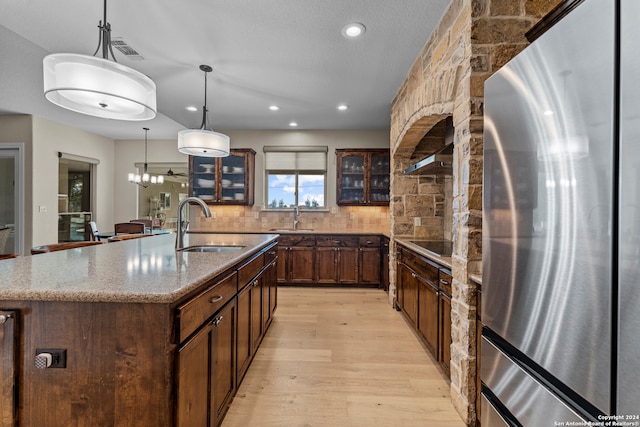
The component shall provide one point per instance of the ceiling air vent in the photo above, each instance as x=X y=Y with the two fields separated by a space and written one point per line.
x=125 y=48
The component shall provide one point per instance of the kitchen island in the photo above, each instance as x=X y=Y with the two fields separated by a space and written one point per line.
x=144 y=335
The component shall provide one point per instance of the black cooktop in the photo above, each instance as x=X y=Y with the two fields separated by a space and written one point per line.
x=438 y=247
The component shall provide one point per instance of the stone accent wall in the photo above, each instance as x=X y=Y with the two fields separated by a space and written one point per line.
x=473 y=40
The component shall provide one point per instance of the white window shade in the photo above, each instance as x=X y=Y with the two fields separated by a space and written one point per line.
x=296 y=158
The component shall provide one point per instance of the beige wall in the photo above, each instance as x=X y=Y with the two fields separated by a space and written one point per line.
x=49 y=138
x=165 y=151
x=18 y=129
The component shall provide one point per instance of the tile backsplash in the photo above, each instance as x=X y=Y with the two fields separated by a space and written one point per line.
x=369 y=219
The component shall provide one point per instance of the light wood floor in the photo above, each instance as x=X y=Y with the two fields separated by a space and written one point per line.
x=341 y=357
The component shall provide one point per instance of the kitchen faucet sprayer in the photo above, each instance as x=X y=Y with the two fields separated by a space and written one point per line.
x=181 y=230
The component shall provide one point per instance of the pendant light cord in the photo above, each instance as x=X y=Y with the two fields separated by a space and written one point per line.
x=145 y=149
x=104 y=37
x=205 y=111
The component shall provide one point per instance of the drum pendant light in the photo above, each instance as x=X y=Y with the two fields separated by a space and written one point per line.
x=203 y=142
x=96 y=86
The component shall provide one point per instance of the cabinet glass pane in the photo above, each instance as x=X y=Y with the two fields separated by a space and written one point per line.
x=204 y=172
x=353 y=178
x=233 y=178
x=380 y=170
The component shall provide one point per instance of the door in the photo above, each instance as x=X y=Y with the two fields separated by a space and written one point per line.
x=74 y=200
x=12 y=196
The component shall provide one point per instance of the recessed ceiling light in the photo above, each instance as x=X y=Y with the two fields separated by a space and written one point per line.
x=343 y=107
x=353 y=30
x=274 y=107
x=293 y=124
x=191 y=108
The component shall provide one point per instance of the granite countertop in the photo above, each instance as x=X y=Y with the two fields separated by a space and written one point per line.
x=444 y=261
x=145 y=270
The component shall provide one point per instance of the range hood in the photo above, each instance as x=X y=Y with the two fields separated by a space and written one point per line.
x=439 y=163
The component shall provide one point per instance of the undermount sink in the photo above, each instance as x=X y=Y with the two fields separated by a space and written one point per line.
x=290 y=230
x=212 y=248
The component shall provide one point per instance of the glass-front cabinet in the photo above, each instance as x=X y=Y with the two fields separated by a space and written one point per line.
x=223 y=180
x=363 y=177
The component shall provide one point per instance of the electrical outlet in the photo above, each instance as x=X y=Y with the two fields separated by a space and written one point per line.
x=334 y=210
x=58 y=357
x=256 y=215
x=417 y=221
x=352 y=215
x=42 y=209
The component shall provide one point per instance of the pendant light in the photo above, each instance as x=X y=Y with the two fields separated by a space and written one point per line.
x=145 y=179
x=99 y=86
x=203 y=142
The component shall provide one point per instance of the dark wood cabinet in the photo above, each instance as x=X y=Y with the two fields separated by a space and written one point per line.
x=337 y=260
x=370 y=260
x=206 y=361
x=329 y=259
x=296 y=259
x=363 y=177
x=424 y=296
x=224 y=180
x=8 y=367
x=206 y=371
x=384 y=267
x=428 y=313
x=445 y=281
x=169 y=363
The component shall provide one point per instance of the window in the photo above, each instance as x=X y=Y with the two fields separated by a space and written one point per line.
x=295 y=176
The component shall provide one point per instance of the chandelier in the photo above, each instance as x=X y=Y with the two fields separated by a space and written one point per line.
x=203 y=142
x=145 y=179
x=99 y=86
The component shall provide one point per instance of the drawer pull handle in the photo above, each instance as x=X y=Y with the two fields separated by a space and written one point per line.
x=217 y=320
x=255 y=282
x=4 y=318
x=444 y=282
x=215 y=299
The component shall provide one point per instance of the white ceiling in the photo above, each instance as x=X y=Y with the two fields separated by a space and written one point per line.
x=285 y=52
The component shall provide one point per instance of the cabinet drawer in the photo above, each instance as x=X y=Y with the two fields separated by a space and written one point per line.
x=369 y=241
x=296 y=240
x=445 y=282
x=196 y=311
x=422 y=266
x=250 y=270
x=270 y=255
x=337 y=241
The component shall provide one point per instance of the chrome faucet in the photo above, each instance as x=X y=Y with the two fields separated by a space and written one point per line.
x=296 y=215
x=182 y=228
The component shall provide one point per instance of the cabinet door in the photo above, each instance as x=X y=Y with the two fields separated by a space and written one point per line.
x=193 y=379
x=8 y=368
x=370 y=266
x=378 y=183
x=236 y=188
x=265 y=289
x=283 y=264
x=444 y=323
x=256 y=314
x=227 y=180
x=348 y=266
x=428 y=315
x=203 y=172
x=326 y=260
x=302 y=265
x=244 y=347
x=408 y=295
x=223 y=361
x=351 y=178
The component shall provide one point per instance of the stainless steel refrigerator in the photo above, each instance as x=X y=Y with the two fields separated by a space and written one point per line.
x=561 y=225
